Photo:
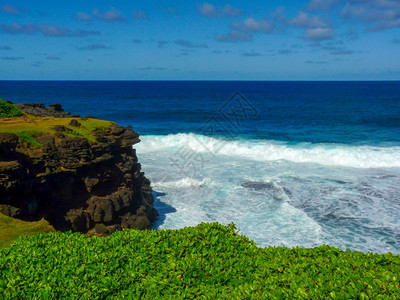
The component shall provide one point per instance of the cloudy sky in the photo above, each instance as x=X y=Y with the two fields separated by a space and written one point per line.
x=194 y=40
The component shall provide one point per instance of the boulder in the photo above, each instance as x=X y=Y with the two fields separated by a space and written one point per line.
x=75 y=123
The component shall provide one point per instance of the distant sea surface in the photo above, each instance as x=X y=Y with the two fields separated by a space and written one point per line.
x=291 y=163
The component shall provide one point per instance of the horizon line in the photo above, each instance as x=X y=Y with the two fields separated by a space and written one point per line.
x=205 y=80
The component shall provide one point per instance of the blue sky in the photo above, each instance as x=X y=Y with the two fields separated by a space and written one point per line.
x=195 y=40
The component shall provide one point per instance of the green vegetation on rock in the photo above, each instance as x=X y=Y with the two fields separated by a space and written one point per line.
x=209 y=261
x=28 y=128
x=7 y=110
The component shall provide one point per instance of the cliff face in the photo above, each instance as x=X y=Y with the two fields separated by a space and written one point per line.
x=76 y=184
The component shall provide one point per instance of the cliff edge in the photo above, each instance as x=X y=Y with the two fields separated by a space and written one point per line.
x=77 y=173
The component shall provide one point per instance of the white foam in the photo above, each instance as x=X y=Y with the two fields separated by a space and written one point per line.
x=278 y=193
x=186 y=182
x=261 y=150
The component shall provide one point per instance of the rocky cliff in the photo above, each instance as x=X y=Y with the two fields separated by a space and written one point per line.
x=73 y=182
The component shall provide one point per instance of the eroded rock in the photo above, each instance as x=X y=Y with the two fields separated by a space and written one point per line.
x=74 y=184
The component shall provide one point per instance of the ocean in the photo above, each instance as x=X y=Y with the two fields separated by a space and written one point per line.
x=290 y=163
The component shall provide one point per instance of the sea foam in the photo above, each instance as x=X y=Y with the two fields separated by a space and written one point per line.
x=277 y=193
x=261 y=150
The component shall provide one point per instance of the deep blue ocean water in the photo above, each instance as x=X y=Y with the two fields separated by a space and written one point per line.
x=291 y=163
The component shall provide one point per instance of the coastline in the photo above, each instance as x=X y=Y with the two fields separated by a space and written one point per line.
x=79 y=174
x=209 y=260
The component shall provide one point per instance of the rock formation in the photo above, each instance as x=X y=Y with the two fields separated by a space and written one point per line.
x=40 y=110
x=75 y=184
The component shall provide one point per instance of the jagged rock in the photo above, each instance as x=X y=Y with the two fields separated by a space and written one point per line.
x=48 y=144
x=8 y=143
x=75 y=184
x=101 y=229
x=78 y=219
x=9 y=166
x=135 y=222
x=114 y=228
x=91 y=182
x=59 y=135
x=61 y=128
x=46 y=140
x=56 y=107
x=75 y=123
x=9 y=210
x=40 y=110
x=116 y=130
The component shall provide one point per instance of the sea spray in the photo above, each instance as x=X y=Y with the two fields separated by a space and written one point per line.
x=279 y=193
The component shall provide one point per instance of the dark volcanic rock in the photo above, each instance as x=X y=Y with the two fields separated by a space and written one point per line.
x=40 y=110
x=76 y=185
x=8 y=143
x=61 y=128
x=75 y=123
x=9 y=210
x=101 y=229
x=56 y=107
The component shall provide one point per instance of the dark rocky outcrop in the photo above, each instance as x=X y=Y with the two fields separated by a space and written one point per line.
x=40 y=110
x=75 y=184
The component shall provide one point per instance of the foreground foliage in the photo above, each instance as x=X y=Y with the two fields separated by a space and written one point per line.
x=209 y=261
x=7 y=110
x=11 y=229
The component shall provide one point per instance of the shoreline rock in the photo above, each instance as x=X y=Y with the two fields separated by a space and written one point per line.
x=40 y=110
x=74 y=184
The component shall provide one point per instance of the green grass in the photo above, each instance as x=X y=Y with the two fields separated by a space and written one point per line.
x=209 y=261
x=29 y=128
x=8 y=110
x=77 y=133
x=28 y=137
x=11 y=229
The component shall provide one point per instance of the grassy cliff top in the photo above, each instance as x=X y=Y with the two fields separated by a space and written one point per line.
x=11 y=229
x=28 y=127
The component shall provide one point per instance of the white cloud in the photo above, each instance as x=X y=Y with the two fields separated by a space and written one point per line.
x=375 y=14
x=315 y=28
x=112 y=15
x=318 y=34
x=252 y=25
x=210 y=11
x=304 y=20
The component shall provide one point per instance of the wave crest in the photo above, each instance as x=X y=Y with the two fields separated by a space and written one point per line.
x=268 y=150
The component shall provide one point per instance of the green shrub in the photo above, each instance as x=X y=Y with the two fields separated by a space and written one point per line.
x=28 y=138
x=77 y=133
x=209 y=261
x=8 y=110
